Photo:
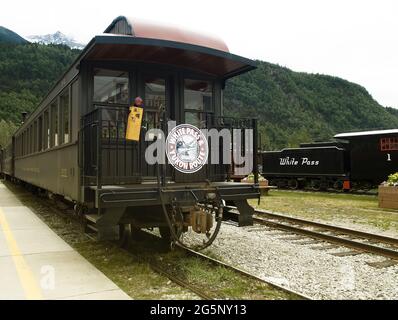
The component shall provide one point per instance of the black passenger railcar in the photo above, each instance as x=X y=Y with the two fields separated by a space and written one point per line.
x=360 y=160
x=73 y=145
x=373 y=155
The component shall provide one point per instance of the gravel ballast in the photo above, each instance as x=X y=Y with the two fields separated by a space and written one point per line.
x=270 y=254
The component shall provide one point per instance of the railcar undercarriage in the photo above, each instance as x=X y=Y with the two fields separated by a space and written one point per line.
x=187 y=214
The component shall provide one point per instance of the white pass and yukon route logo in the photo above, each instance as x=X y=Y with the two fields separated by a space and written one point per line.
x=187 y=148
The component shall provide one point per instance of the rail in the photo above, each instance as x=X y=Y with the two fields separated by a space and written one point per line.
x=363 y=242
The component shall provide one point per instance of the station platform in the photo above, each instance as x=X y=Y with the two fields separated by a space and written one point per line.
x=35 y=263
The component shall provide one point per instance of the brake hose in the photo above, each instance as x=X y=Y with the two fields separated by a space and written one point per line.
x=175 y=238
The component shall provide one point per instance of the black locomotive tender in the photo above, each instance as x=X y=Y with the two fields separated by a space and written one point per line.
x=356 y=160
x=73 y=145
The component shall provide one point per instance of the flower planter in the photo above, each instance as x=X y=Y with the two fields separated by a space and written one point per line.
x=388 y=197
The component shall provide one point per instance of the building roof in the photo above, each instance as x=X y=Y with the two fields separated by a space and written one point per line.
x=127 y=41
x=365 y=133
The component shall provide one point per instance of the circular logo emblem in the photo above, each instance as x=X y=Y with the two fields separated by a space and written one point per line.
x=187 y=148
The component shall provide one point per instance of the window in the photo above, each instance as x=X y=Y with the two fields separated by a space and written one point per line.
x=111 y=86
x=27 y=141
x=46 y=134
x=40 y=134
x=31 y=139
x=19 y=146
x=35 y=137
x=389 y=144
x=197 y=100
x=155 y=100
x=54 y=124
x=22 y=143
x=64 y=108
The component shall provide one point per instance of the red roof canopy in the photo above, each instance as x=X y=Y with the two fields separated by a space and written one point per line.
x=142 y=42
x=141 y=29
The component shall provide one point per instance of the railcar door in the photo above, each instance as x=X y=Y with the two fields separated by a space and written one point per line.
x=156 y=100
x=198 y=102
x=110 y=157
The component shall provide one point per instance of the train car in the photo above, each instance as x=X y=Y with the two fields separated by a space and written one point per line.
x=318 y=167
x=339 y=144
x=7 y=161
x=355 y=160
x=1 y=162
x=74 y=145
x=373 y=156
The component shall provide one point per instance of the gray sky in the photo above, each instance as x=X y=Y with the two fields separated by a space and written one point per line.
x=352 y=39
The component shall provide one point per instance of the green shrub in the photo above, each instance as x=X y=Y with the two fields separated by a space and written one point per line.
x=393 y=179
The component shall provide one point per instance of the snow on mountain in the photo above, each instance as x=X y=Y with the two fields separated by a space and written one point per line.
x=56 y=38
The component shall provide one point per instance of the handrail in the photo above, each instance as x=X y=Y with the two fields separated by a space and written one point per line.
x=100 y=133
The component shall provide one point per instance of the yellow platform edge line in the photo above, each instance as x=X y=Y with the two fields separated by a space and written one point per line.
x=28 y=281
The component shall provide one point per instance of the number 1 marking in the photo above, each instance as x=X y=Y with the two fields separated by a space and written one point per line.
x=388 y=157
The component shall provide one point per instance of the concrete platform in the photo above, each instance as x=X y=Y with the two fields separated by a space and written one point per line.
x=35 y=263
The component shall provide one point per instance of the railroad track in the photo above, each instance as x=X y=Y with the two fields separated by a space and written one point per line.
x=163 y=270
x=358 y=241
x=243 y=273
x=157 y=266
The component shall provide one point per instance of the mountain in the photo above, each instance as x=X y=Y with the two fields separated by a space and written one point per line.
x=292 y=107
x=8 y=36
x=393 y=111
x=26 y=74
x=56 y=38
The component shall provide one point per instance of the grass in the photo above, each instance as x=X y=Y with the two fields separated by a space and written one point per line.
x=362 y=210
x=133 y=276
x=216 y=281
x=221 y=282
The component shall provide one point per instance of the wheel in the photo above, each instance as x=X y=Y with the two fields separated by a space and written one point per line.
x=135 y=233
x=324 y=185
x=293 y=184
x=315 y=185
x=124 y=235
x=367 y=185
x=165 y=233
x=338 y=185
x=282 y=184
x=272 y=182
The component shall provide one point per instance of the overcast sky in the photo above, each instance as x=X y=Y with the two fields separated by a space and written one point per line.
x=353 y=39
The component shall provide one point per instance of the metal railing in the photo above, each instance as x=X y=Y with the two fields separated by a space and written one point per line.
x=107 y=158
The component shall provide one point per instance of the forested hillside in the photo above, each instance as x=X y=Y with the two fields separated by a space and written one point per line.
x=8 y=36
x=26 y=74
x=392 y=111
x=292 y=107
